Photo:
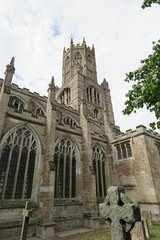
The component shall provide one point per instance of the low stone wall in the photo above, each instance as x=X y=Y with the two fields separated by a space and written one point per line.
x=68 y=214
x=12 y=229
x=11 y=219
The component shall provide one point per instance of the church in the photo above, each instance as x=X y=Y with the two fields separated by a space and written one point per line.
x=63 y=151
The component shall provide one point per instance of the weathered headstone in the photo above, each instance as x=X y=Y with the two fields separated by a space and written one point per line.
x=138 y=232
x=119 y=211
x=146 y=227
x=146 y=215
x=27 y=213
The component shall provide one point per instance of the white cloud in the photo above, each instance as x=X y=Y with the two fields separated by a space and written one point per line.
x=35 y=33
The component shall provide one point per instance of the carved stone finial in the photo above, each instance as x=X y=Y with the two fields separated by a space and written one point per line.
x=52 y=81
x=12 y=61
x=10 y=67
x=52 y=84
x=104 y=83
x=71 y=41
x=84 y=41
x=93 y=47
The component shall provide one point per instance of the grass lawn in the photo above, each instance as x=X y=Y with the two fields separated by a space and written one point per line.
x=105 y=234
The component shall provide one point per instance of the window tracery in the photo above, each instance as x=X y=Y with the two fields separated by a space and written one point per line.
x=39 y=112
x=65 y=164
x=16 y=103
x=67 y=120
x=78 y=59
x=98 y=159
x=93 y=95
x=124 y=151
x=65 y=97
x=17 y=160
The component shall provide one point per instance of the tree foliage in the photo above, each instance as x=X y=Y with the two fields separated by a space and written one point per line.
x=146 y=90
x=148 y=3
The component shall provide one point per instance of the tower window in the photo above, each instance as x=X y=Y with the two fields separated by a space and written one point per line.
x=65 y=97
x=93 y=96
x=99 y=168
x=17 y=162
x=65 y=163
x=77 y=59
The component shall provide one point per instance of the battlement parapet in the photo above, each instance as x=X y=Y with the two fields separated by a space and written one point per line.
x=78 y=46
x=26 y=91
x=140 y=130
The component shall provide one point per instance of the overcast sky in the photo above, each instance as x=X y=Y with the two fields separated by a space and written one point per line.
x=36 y=31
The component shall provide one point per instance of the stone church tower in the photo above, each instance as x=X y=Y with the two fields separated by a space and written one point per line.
x=63 y=151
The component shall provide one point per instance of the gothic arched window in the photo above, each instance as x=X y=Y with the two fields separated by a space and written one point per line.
x=17 y=160
x=93 y=95
x=65 y=97
x=98 y=159
x=78 y=59
x=39 y=112
x=67 y=120
x=65 y=163
x=16 y=103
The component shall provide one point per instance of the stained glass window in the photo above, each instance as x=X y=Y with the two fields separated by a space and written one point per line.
x=65 y=163
x=17 y=160
x=99 y=168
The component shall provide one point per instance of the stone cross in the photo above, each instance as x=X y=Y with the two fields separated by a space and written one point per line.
x=119 y=211
x=27 y=213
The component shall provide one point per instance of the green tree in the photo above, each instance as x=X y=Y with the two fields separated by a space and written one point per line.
x=148 y=3
x=146 y=90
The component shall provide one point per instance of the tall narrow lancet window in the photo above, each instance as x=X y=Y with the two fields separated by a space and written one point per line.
x=65 y=97
x=124 y=153
x=17 y=160
x=119 y=152
x=93 y=95
x=65 y=163
x=129 y=151
x=98 y=159
x=78 y=59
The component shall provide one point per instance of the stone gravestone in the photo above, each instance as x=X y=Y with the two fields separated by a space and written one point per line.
x=27 y=213
x=146 y=215
x=119 y=211
x=138 y=232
